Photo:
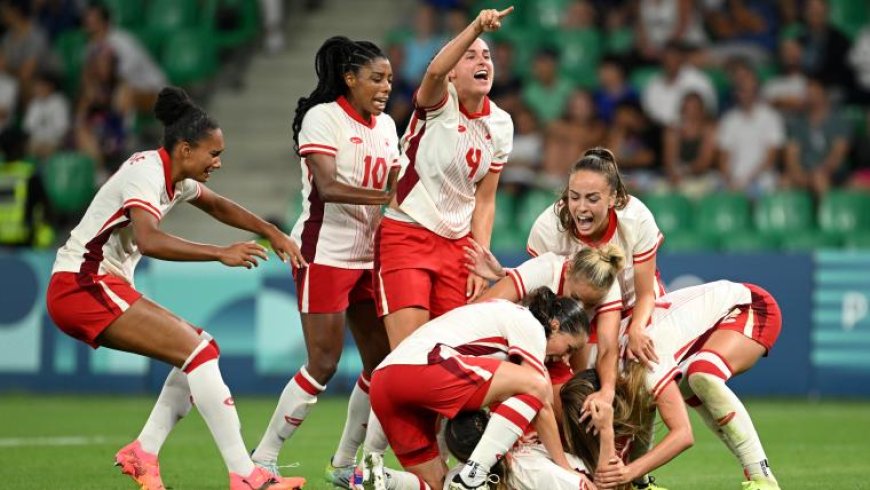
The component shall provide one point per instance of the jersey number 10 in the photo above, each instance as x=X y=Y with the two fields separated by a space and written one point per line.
x=375 y=173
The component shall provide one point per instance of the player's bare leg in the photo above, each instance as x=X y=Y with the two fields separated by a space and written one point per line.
x=402 y=323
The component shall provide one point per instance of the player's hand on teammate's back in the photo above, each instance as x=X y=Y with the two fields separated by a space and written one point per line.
x=641 y=348
x=480 y=261
x=243 y=254
x=286 y=249
x=612 y=474
x=490 y=19
x=474 y=287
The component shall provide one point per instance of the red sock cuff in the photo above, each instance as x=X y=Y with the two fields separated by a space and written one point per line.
x=205 y=354
x=307 y=383
x=363 y=382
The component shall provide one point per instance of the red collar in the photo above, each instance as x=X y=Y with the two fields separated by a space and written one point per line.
x=344 y=104
x=167 y=171
x=474 y=115
x=612 y=221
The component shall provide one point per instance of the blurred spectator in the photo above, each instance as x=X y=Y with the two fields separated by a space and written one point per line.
x=8 y=96
x=99 y=124
x=56 y=16
x=25 y=47
x=746 y=28
x=424 y=45
x=47 y=118
x=613 y=88
x=750 y=137
x=662 y=97
x=689 y=149
x=507 y=86
x=579 y=14
x=825 y=47
x=859 y=177
x=636 y=142
x=619 y=35
x=787 y=90
x=859 y=60
x=455 y=20
x=818 y=143
x=568 y=137
x=527 y=150
x=139 y=77
x=272 y=12
x=399 y=105
x=547 y=92
x=22 y=197
x=662 y=21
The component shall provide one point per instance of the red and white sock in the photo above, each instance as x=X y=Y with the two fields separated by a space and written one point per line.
x=358 y=409
x=506 y=424
x=724 y=413
x=376 y=439
x=215 y=403
x=403 y=480
x=296 y=401
x=172 y=405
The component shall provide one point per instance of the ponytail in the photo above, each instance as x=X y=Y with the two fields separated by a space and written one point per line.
x=546 y=306
x=182 y=119
x=337 y=56
x=600 y=160
x=598 y=266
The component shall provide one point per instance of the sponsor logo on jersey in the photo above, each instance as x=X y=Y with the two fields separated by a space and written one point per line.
x=461 y=128
x=356 y=140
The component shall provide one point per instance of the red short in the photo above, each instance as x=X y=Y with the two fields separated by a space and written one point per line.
x=416 y=267
x=408 y=399
x=83 y=305
x=761 y=320
x=325 y=289
x=560 y=371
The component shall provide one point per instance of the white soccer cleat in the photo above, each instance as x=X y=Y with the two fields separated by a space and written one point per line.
x=373 y=475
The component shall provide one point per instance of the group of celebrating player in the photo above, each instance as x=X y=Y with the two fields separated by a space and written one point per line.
x=558 y=391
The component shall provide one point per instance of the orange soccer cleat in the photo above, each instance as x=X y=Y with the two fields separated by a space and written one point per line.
x=260 y=479
x=142 y=467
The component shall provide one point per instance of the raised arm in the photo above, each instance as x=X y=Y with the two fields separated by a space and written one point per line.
x=433 y=87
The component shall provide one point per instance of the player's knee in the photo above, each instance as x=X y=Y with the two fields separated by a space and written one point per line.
x=323 y=364
x=203 y=353
x=539 y=387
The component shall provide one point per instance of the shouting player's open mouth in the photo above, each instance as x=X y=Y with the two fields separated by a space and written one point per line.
x=482 y=75
x=584 y=223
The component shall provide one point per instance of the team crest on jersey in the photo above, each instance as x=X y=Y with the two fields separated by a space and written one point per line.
x=356 y=140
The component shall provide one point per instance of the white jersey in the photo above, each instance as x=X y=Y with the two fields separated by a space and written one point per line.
x=333 y=234
x=682 y=317
x=103 y=242
x=497 y=329
x=446 y=151
x=549 y=270
x=632 y=228
x=533 y=469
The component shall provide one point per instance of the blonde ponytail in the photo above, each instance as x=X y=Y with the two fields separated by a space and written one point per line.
x=598 y=266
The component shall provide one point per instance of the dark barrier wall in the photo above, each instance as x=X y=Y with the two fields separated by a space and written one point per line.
x=824 y=348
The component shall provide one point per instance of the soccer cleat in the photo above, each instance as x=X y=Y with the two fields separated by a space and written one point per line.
x=372 y=471
x=457 y=483
x=270 y=466
x=260 y=479
x=649 y=485
x=343 y=476
x=475 y=472
x=142 y=467
x=759 y=484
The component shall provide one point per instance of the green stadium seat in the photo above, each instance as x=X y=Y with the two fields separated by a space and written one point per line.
x=168 y=16
x=849 y=15
x=579 y=52
x=747 y=241
x=526 y=43
x=69 y=182
x=673 y=212
x=126 y=13
x=504 y=230
x=545 y=14
x=859 y=241
x=642 y=76
x=70 y=49
x=189 y=58
x=722 y=214
x=687 y=241
x=531 y=206
x=619 y=41
x=843 y=213
x=784 y=213
x=809 y=241
x=244 y=16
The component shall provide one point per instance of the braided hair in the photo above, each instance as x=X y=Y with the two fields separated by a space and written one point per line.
x=337 y=56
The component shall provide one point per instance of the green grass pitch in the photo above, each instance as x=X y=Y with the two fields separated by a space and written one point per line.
x=823 y=445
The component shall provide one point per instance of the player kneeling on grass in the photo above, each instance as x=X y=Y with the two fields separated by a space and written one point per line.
x=703 y=335
x=91 y=296
x=461 y=361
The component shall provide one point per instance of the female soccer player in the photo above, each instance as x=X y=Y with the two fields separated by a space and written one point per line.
x=595 y=209
x=349 y=151
x=454 y=148
x=91 y=296
x=459 y=362
x=703 y=336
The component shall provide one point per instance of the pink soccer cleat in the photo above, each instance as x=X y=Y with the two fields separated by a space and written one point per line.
x=142 y=467
x=260 y=479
